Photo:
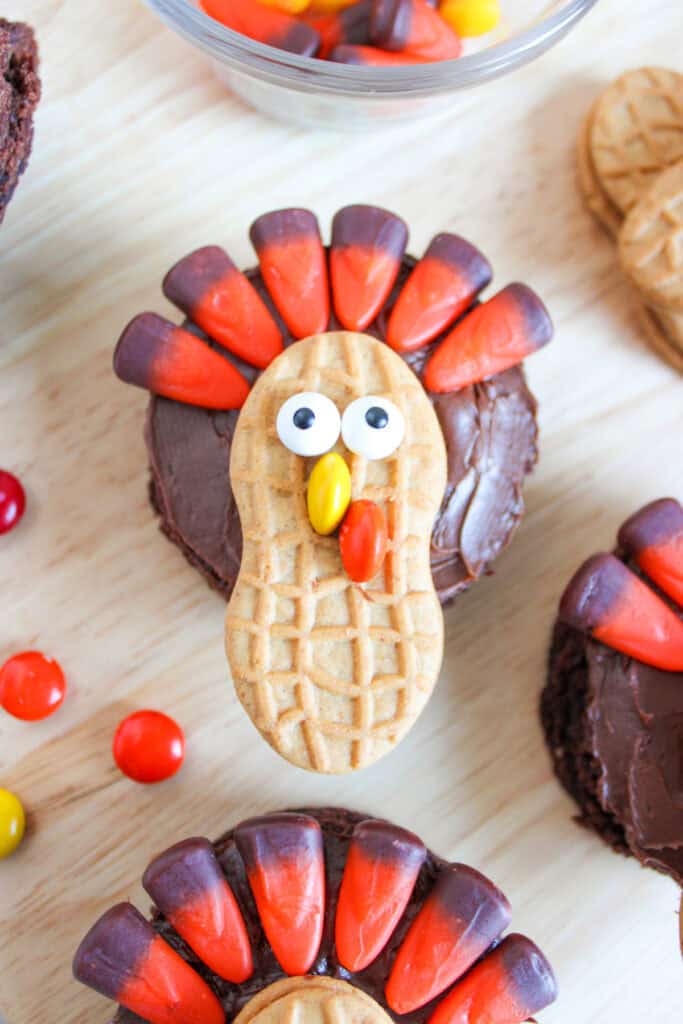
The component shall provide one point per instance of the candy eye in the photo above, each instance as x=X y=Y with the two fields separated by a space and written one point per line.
x=373 y=427
x=308 y=423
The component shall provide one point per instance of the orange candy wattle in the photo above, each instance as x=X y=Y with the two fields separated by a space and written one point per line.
x=363 y=539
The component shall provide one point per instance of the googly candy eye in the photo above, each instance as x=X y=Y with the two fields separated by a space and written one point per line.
x=373 y=427
x=308 y=423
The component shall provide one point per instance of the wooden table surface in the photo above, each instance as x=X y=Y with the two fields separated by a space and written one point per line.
x=140 y=156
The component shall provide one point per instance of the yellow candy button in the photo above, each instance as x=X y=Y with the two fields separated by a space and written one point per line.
x=12 y=822
x=329 y=6
x=471 y=17
x=288 y=6
x=329 y=493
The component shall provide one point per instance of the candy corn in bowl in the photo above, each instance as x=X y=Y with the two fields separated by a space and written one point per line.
x=361 y=63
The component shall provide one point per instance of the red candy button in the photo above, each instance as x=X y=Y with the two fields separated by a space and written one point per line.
x=12 y=501
x=31 y=686
x=363 y=540
x=149 y=746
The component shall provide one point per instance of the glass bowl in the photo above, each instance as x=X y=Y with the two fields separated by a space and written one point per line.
x=319 y=93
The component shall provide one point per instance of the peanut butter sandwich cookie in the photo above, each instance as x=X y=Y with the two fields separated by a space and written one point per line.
x=630 y=155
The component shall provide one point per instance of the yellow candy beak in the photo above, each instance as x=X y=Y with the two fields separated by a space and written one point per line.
x=329 y=493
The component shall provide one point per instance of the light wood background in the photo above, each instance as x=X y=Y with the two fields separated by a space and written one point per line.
x=140 y=156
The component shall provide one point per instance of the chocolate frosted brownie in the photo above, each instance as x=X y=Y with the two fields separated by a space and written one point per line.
x=612 y=708
x=19 y=95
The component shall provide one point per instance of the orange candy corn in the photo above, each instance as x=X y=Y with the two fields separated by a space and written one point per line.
x=372 y=56
x=653 y=537
x=294 y=268
x=209 y=289
x=381 y=869
x=460 y=919
x=506 y=987
x=350 y=25
x=367 y=247
x=167 y=360
x=413 y=26
x=493 y=337
x=124 y=959
x=188 y=886
x=265 y=24
x=611 y=604
x=283 y=857
x=441 y=287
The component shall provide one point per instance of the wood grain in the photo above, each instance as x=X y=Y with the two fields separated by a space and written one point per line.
x=140 y=155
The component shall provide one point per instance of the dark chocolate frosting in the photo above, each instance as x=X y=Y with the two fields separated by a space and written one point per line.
x=615 y=730
x=490 y=433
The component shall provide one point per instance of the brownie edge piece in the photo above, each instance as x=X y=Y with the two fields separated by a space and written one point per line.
x=19 y=95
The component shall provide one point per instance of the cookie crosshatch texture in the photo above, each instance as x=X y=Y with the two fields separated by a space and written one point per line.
x=637 y=131
x=334 y=675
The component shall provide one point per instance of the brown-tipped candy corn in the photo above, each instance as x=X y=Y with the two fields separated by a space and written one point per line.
x=209 y=289
x=371 y=56
x=284 y=860
x=610 y=603
x=413 y=26
x=124 y=959
x=294 y=268
x=189 y=888
x=461 y=917
x=493 y=337
x=506 y=987
x=440 y=288
x=350 y=25
x=653 y=537
x=265 y=24
x=381 y=869
x=167 y=360
x=367 y=247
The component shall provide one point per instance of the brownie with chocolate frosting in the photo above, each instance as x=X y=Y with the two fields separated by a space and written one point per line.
x=490 y=432
x=614 y=723
x=19 y=95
